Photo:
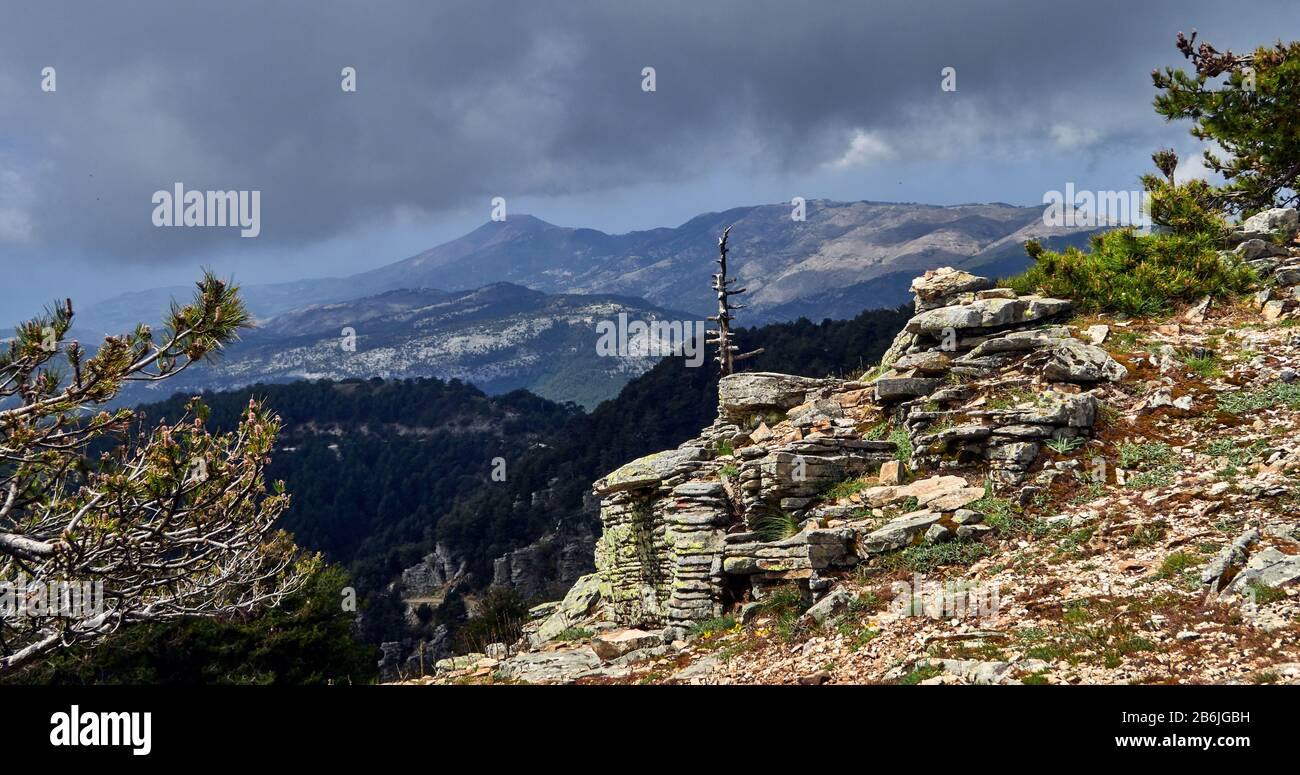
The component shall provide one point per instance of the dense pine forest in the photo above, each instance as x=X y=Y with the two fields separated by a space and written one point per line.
x=381 y=471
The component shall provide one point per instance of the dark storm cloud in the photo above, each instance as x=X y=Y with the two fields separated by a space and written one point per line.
x=460 y=102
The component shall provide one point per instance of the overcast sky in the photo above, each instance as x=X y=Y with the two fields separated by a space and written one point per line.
x=542 y=103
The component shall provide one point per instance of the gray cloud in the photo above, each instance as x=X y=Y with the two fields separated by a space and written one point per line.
x=458 y=102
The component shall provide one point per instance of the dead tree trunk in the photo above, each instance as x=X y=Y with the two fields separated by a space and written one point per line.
x=728 y=356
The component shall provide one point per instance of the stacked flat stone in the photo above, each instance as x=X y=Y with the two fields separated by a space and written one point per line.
x=965 y=329
x=789 y=477
x=1264 y=243
x=801 y=558
x=679 y=542
x=666 y=516
x=659 y=557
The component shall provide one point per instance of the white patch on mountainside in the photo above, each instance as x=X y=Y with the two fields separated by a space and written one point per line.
x=840 y=244
x=507 y=333
x=502 y=337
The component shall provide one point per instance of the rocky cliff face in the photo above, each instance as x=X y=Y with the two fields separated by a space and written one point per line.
x=500 y=337
x=1073 y=465
x=688 y=532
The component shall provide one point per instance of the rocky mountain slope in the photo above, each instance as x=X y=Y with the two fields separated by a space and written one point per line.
x=392 y=479
x=500 y=337
x=844 y=258
x=1018 y=494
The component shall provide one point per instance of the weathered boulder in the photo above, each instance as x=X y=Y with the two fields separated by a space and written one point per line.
x=612 y=644
x=1278 y=219
x=1019 y=341
x=986 y=313
x=1017 y=454
x=575 y=606
x=939 y=287
x=898 y=533
x=926 y=362
x=891 y=472
x=1230 y=557
x=647 y=471
x=548 y=666
x=743 y=395
x=972 y=532
x=833 y=604
x=900 y=388
x=1287 y=275
x=924 y=490
x=1267 y=567
x=956 y=500
x=1049 y=407
x=938 y=534
x=1255 y=249
x=1098 y=333
x=1073 y=361
x=974 y=671
x=1196 y=313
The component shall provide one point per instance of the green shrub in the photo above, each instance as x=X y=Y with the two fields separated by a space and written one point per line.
x=574 y=633
x=1158 y=476
x=903 y=443
x=1265 y=594
x=1184 y=208
x=1136 y=455
x=1134 y=274
x=499 y=618
x=1176 y=563
x=1064 y=446
x=787 y=603
x=1001 y=514
x=866 y=602
x=846 y=488
x=922 y=673
x=1277 y=394
x=710 y=626
x=776 y=525
x=1206 y=367
x=927 y=557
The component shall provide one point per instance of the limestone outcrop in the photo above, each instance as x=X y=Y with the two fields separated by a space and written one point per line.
x=975 y=384
x=969 y=460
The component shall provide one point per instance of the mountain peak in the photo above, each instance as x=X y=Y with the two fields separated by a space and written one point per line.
x=521 y=223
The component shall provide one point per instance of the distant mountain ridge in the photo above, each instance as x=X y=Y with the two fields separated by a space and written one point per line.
x=500 y=337
x=845 y=254
x=538 y=290
x=840 y=246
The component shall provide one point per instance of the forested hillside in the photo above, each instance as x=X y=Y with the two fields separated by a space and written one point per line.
x=663 y=407
x=380 y=471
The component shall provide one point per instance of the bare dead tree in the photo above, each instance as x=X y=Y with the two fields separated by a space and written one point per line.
x=174 y=522
x=727 y=356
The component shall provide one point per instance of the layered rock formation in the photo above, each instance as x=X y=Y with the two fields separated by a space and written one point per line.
x=977 y=381
x=1159 y=546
